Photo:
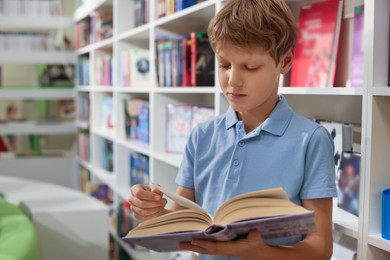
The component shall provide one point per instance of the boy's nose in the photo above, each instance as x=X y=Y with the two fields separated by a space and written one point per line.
x=235 y=79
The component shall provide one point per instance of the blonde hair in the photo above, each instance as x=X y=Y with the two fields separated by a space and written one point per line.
x=268 y=23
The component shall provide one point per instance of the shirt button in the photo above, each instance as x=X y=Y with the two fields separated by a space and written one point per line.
x=236 y=162
x=241 y=143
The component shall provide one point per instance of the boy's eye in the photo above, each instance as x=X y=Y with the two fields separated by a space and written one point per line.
x=251 y=68
x=224 y=66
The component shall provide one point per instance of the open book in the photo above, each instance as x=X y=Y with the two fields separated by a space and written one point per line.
x=269 y=211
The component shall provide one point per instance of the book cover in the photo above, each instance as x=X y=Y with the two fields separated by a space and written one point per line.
x=349 y=182
x=139 y=169
x=268 y=211
x=342 y=135
x=202 y=60
x=56 y=75
x=357 y=60
x=201 y=114
x=139 y=68
x=316 y=46
x=178 y=127
x=136 y=119
x=11 y=110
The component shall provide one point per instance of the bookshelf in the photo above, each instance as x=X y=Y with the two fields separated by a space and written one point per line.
x=364 y=107
x=24 y=23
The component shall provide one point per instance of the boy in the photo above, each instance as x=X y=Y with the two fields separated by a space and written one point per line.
x=259 y=143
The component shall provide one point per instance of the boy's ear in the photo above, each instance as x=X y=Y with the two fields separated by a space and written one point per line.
x=287 y=61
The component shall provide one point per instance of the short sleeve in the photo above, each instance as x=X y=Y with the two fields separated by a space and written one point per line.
x=319 y=177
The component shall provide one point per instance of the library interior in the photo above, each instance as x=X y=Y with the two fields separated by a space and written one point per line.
x=97 y=96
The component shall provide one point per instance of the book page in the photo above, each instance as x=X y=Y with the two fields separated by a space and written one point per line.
x=179 y=199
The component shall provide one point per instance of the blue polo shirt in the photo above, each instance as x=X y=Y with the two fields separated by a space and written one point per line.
x=287 y=150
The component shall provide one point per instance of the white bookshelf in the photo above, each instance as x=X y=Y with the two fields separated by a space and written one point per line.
x=19 y=82
x=367 y=108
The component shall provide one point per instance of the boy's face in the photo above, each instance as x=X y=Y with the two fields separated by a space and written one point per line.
x=249 y=77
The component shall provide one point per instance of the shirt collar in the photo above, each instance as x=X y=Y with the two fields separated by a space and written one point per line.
x=275 y=124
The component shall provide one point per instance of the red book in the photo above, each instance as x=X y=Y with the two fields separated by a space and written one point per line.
x=193 y=82
x=316 y=47
x=186 y=60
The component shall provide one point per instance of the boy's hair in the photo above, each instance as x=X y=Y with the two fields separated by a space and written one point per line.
x=268 y=23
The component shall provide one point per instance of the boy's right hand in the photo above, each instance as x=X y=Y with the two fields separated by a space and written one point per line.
x=146 y=202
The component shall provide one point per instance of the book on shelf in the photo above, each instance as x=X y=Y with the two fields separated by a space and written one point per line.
x=357 y=59
x=85 y=179
x=106 y=120
x=181 y=119
x=83 y=145
x=139 y=68
x=269 y=211
x=141 y=12
x=11 y=110
x=178 y=127
x=349 y=182
x=342 y=135
x=107 y=157
x=103 y=72
x=83 y=70
x=56 y=75
x=101 y=191
x=139 y=169
x=137 y=119
x=187 y=61
x=317 y=44
x=202 y=60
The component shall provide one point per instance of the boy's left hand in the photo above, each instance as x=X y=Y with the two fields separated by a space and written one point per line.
x=247 y=248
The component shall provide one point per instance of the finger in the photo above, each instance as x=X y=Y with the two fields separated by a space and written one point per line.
x=147 y=204
x=157 y=191
x=144 y=193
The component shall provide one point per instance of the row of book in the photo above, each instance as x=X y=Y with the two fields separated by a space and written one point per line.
x=83 y=107
x=43 y=75
x=187 y=61
x=31 y=7
x=94 y=28
x=103 y=72
x=83 y=146
x=17 y=110
x=35 y=145
x=83 y=70
x=168 y=7
x=318 y=62
x=22 y=41
x=323 y=42
x=135 y=68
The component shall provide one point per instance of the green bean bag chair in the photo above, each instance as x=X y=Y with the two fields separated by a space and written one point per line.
x=18 y=239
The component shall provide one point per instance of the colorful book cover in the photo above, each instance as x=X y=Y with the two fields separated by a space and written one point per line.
x=357 y=62
x=349 y=182
x=179 y=118
x=139 y=169
x=201 y=114
x=202 y=61
x=317 y=42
